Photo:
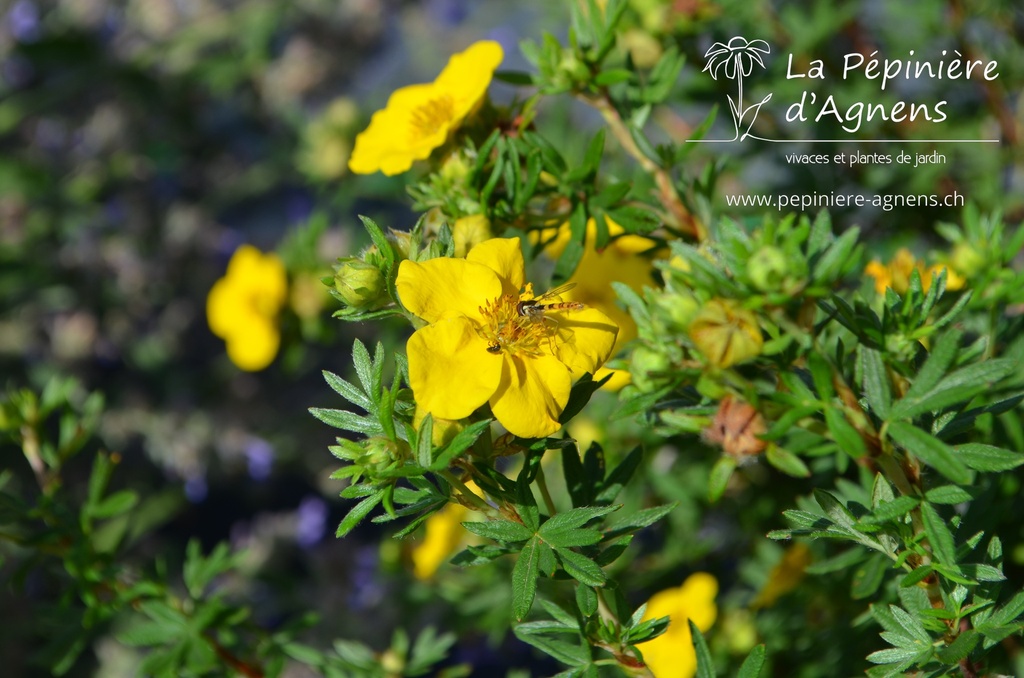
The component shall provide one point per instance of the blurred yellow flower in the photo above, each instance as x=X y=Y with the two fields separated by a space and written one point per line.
x=418 y=118
x=242 y=307
x=624 y=260
x=896 y=274
x=443 y=535
x=481 y=347
x=671 y=655
x=785 y=576
x=726 y=333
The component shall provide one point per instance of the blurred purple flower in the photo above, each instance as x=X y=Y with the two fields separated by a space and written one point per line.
x=260 y=456
x=195 y=488
x=366 y=590
x=311 y=519
x=23 y=19
x=17 y=71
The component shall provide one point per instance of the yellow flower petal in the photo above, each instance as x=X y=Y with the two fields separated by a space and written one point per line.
x=671 y=655
x=450 y=370
x=418 y=118
x=443 y=534
x=254 y=348
x=585 y=338
x=505 y=257
x=468 y=74
x=532 y=395
x=620 y=379
x=468 y=232
x=446 y=288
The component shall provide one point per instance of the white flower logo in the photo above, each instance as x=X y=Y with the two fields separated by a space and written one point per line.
x=736 y=61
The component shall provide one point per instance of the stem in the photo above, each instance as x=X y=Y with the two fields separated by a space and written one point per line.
x=542 y=484
x=678 y=215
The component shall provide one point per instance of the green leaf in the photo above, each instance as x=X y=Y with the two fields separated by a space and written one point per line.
x=115 y=504
x=981 y=457
x=719 y=478
x=500 y=530
x=868 y=576
x=358 y=512
x=753 y=663
x=383 y=246
x=620 y=476
x=536 y=634
x=524 y=579
x=573 y=518
x=787 y=462
x=876 y=382
x=948 y=494
x=424 y=442
x=348 y=391
x=581 y=568
x=844 y=433
x=638 y=520
x=462 y=441
x=892 y=510
x=958 y=387
x=347 y=421
x=705 y=664
x=931 y=451
x=612 y=76
x=586 y=600
x=959 y=648
x=939 y=536
x=834 y=508
x=938 y=362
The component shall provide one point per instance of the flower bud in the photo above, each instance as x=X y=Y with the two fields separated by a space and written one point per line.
x=736 y=429
x=360 y=285
x=401 y=242
x=767 y=269
x=646 y=365
x=726 y=333
x=966 y=259
x=673 y=311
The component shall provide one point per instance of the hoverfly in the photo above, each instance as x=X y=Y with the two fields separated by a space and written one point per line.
x=536 y=308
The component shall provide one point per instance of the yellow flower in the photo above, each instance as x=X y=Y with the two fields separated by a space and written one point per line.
x=896 y=274
x=443 y=535
x=327 y=141
x=242 y=307
x=621 y=261
x=726 y=333
x=418 y=118
x=671 y=655
x=480 y=347
x=785 y=576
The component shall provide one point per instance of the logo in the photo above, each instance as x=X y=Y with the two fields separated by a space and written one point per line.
x=735 y=60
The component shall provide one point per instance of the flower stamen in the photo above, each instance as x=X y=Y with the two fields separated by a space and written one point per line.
x=508 y=330
x=432 y=116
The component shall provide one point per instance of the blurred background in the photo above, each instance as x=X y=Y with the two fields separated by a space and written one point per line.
x=143 y=141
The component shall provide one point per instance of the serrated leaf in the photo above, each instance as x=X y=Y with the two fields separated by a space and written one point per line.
x=500 y=530
x=524 y=579
x=581 y=568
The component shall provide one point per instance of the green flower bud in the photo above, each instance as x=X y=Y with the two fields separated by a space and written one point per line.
x=767 y=269
x=647 y=366
x=401 y=242
x=966 y=260
x=571 y=69
x=360 y=285
x=673 y=311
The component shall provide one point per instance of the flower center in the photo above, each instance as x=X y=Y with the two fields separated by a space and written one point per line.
x=506 y=329
x=430 y=117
